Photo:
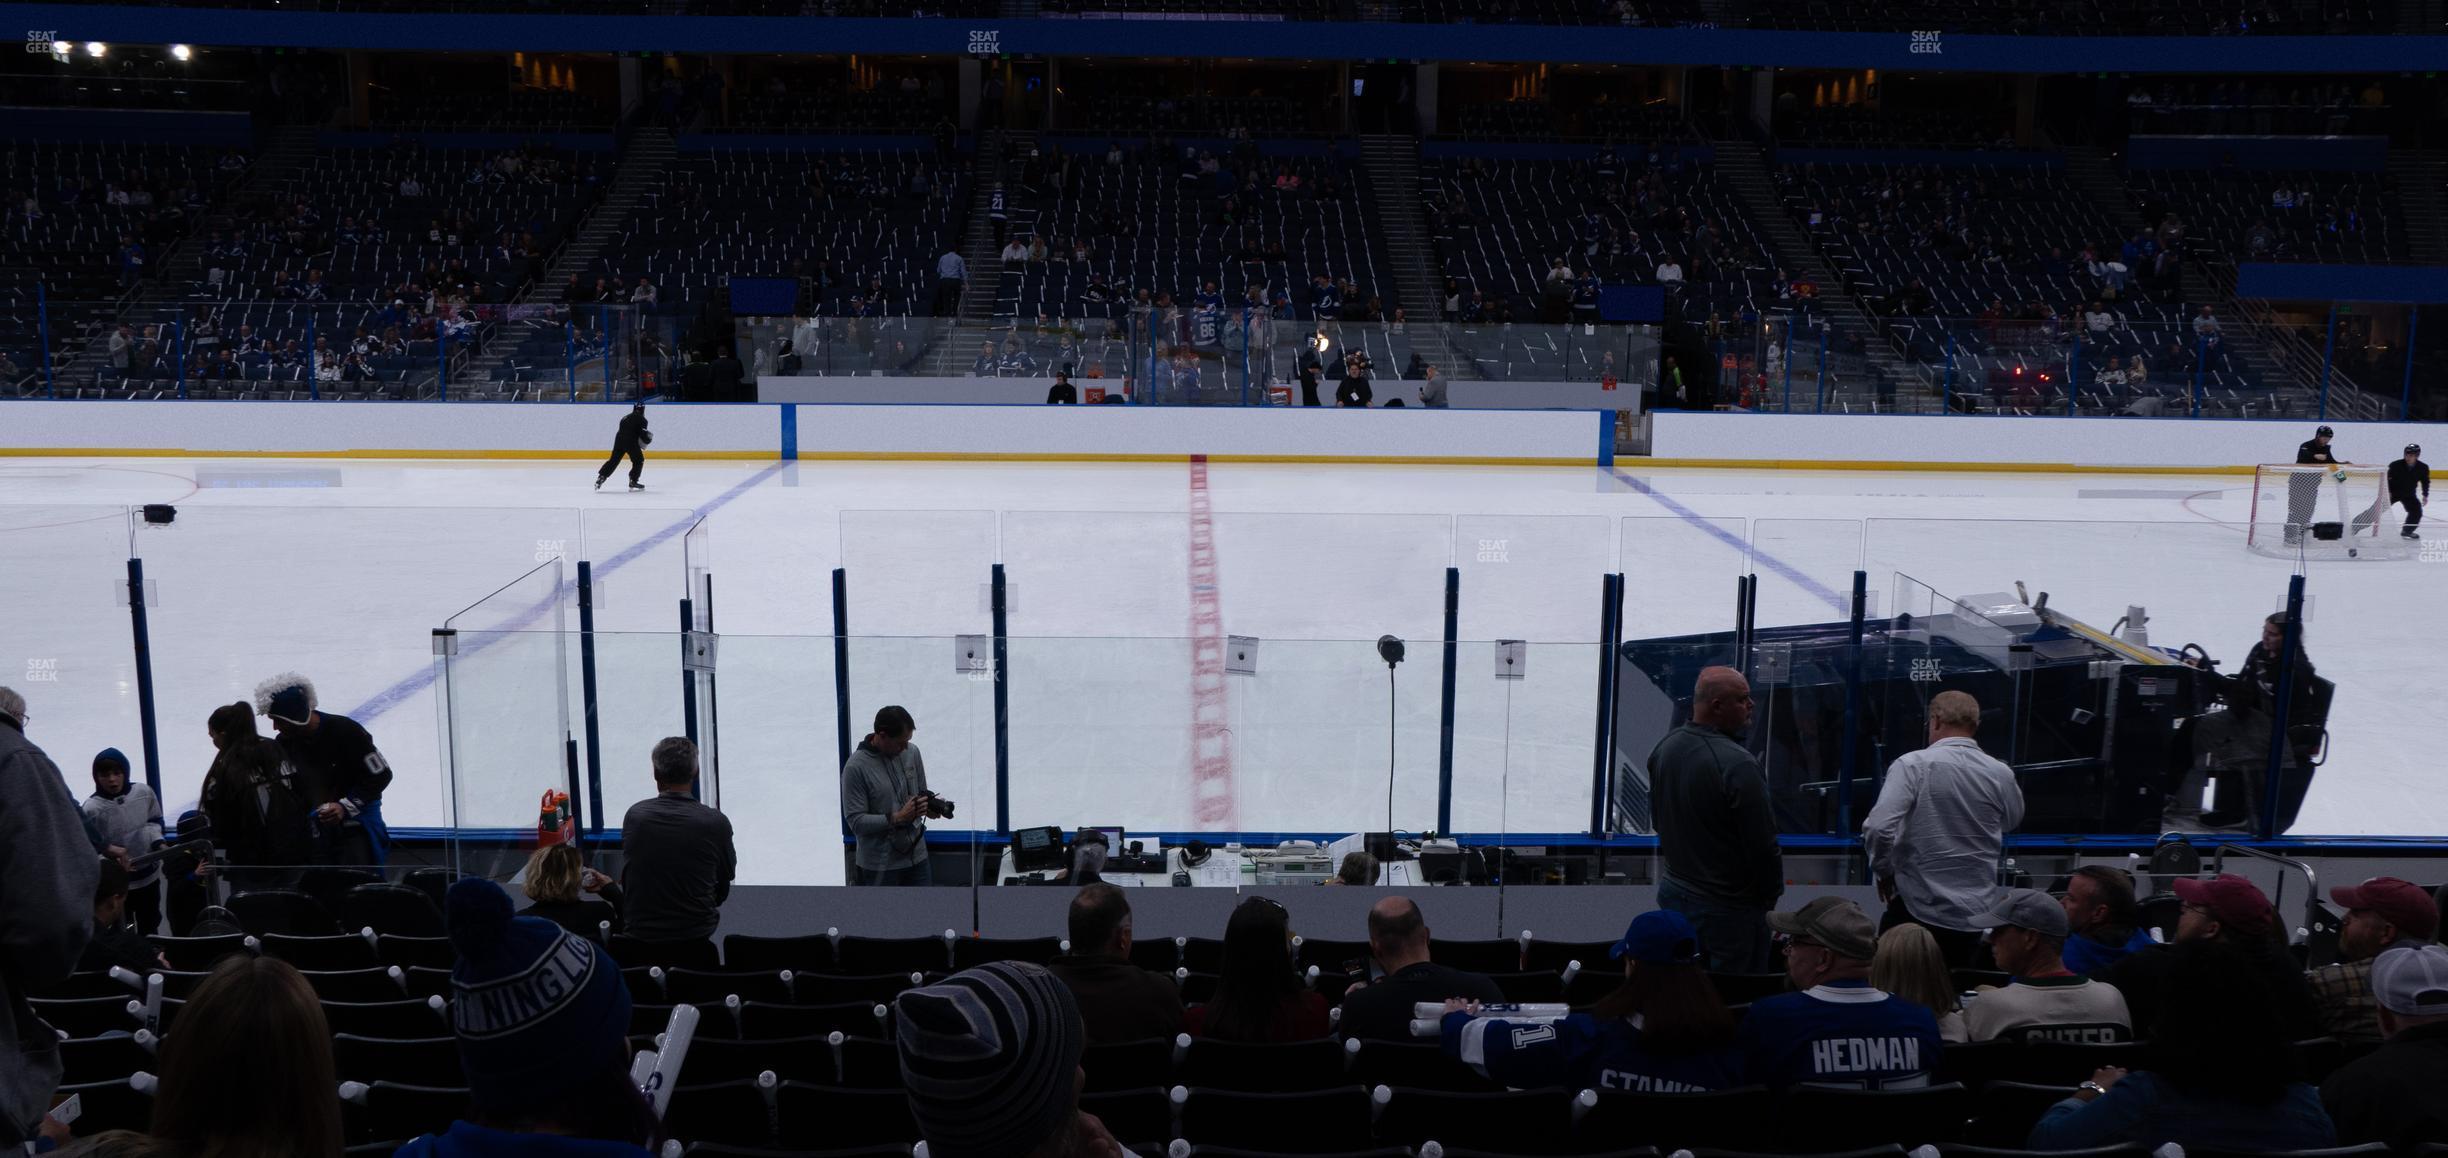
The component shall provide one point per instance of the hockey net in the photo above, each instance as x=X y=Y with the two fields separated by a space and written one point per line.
x=2295 y=509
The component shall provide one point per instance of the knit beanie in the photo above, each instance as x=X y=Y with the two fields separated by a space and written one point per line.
x=536 y=1010
x=989 y=1057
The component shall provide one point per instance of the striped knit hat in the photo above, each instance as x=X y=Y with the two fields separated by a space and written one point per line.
x=989 y=1058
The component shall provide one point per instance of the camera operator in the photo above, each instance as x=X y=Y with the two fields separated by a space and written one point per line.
x=885 y=802
x=2237 y=740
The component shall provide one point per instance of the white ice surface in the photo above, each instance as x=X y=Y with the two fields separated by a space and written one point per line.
x=343 y=569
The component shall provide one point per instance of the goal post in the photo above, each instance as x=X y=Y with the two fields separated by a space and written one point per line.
x=2323 y=512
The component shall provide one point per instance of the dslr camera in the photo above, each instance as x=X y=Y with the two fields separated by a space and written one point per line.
x=938 y=808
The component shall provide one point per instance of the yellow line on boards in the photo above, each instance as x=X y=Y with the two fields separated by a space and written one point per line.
x=1900 y=465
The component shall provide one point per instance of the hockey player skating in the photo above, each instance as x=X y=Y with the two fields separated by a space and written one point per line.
x=632 y=441
x=2409 y=482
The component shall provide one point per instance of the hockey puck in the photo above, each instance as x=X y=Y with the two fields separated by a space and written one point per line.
x=2354 y=552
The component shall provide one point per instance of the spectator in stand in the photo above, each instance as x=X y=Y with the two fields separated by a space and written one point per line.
x=2224 y=1072
x=558 y=885
x=1909 y=965
x=951 y=273
x=1715 y=833
x=991 y=1060
x=2398 y=1094
x=2102 y=920
x=1669 y=271
x=2229 y=909
x=1836 y=1028
x=1259 y=997
x=1432 y=388
x=254 y=796
x=129 y=819
x=680 y=856
x=1938 y=831
x=1015 y=252
x=986 y=365
x=116 y=943
x=1118 y=1001
x=2383 y=914
x=542 y=1021
x=2046 y=1001
x=248 y=1072
x=644 y=294
x=1664 y=1030
x=1398 y=936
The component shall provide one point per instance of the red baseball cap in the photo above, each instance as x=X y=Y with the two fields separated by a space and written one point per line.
x=2237 y=903
x=2400 y=903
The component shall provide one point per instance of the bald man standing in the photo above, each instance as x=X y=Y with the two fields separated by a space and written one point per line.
x=1714 y=828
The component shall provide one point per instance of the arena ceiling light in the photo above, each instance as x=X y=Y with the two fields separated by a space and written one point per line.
x=181 y=52
x=96 y=49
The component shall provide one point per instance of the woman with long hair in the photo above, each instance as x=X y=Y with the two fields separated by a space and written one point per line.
x=1910 y=965
x=1259 y=997
x=559 y=883
x=247 y=1073
x=2223 y=1076
x=258 y=810
x=1664 y=1030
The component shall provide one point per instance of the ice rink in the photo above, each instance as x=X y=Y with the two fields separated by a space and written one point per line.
x=342 y=569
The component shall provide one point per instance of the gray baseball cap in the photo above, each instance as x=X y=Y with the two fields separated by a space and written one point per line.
x=1834 y=922
x=2412 y=980
x=2027 y=909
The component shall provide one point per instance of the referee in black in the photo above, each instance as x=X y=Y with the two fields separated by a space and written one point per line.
x=2409 y=482
x=2303 y=488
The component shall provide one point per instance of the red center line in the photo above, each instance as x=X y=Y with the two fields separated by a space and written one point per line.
x=1211 y=755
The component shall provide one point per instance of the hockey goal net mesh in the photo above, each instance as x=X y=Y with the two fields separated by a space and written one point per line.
x=2296 y=509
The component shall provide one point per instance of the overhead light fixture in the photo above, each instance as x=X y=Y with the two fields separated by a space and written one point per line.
x=61 y=49
x=181 y=52
x=96 y=49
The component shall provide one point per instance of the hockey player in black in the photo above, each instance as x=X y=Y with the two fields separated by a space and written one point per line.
x=632 y=441
x=341 y=770
x=2409 y=482
x=2303 y=488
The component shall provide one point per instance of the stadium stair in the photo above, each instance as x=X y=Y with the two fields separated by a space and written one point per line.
x=950 y=358
x=2265 y=351
x=1743 y=169
x=645 y=161
x=645 y=165
x=1392 y=162
x=2422 y=189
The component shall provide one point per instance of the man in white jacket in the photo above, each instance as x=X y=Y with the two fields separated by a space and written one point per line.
x=1938 y=831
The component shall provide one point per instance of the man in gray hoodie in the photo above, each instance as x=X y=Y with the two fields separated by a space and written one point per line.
x=47 y=876
x=884 y=802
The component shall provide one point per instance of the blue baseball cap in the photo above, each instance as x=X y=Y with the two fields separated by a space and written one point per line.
x=1659 y=937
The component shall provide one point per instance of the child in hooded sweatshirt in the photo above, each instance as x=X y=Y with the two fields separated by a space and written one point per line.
x=128 y=819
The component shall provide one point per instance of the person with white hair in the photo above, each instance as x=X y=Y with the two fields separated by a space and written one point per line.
x=343 y=772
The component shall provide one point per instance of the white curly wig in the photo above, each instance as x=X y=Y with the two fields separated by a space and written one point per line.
x=280 y=683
